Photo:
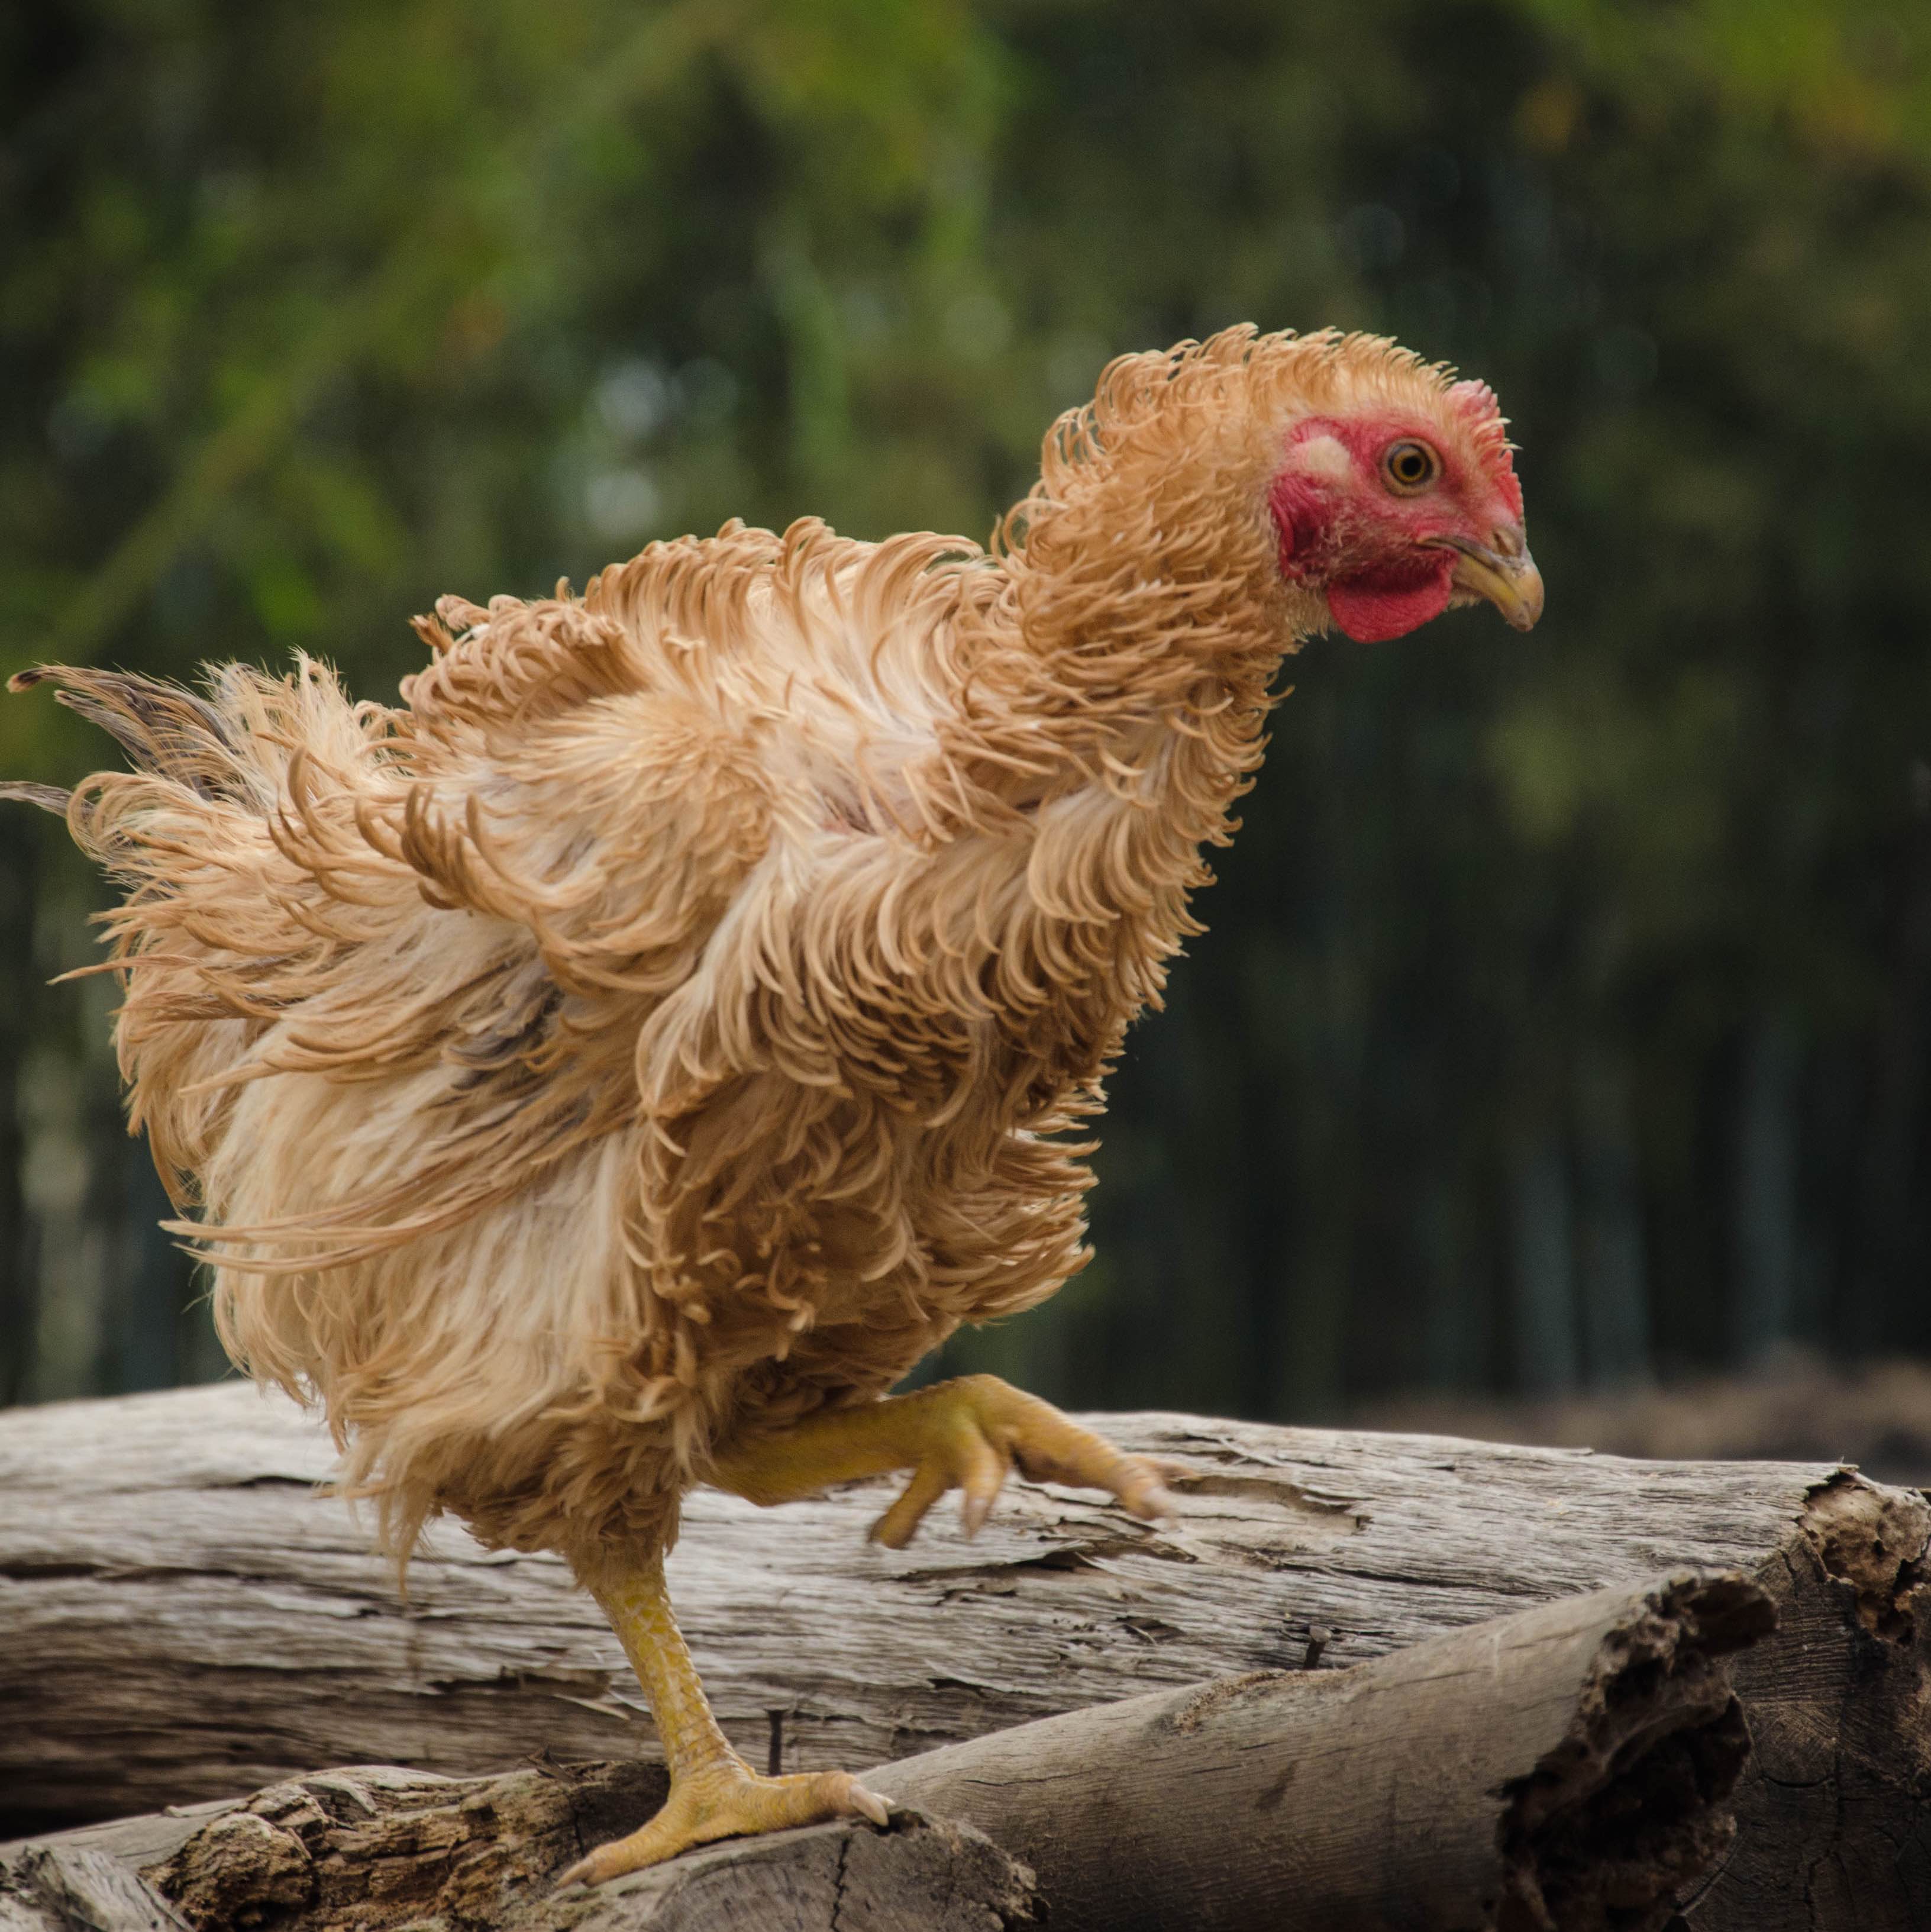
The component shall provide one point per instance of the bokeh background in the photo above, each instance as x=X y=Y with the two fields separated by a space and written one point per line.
x=1564 y=1030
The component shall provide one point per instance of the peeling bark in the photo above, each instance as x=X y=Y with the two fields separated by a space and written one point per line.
x=1874 y=1540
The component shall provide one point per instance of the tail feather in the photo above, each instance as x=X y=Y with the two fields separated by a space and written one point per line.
x=162 y=727
x=48 y=798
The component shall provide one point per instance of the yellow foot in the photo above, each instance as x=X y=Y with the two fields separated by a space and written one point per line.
x=970 y=1433
x=728 y=1802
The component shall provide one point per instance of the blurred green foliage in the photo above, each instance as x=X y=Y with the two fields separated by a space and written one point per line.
x=1564 y=1014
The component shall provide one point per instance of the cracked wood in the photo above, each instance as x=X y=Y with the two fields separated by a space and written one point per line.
x=1570 y=1766
x=181 y=1616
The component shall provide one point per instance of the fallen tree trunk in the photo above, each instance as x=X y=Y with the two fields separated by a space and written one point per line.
x=1568 y=1766
x=181 y=1616
x=376 y=1847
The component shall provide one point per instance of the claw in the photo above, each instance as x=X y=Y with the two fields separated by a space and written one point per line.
x=870 y=1805
x=982 y=1477
x=1143 y=1491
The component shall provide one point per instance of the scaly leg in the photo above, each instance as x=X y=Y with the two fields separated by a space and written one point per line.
x=714 y=1793
x=966 y=1434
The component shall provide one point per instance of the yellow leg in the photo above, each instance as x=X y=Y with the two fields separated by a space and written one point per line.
x=714 y=1793
x=967 y=1434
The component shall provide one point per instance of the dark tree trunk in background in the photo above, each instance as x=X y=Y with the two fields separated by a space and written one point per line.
x=19 y=991
x=1541 y=1223
x=1885 y=1232
x=1763 y=1273
x=102 y=1234
x=1614 y=1272
x=156 y=1280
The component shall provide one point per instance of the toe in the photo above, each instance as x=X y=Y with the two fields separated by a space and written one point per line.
x=612 y=1860
x=897 y=1526
x=983 y=1471
x=837 y=1794
x=1140 y=1485
x=973 y=1431
x=739 y=1805
x=867 y=1804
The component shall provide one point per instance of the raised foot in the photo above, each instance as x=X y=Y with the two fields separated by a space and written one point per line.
x=971 y=1434
x=729 y=1802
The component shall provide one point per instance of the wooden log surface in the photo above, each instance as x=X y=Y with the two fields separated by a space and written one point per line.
x=1568 y=1766
x=182 y=1616
x=375 y=1847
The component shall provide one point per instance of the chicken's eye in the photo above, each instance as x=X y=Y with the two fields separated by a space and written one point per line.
x=1409 y=466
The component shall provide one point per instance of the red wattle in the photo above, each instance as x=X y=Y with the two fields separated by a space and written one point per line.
x=1371 y=608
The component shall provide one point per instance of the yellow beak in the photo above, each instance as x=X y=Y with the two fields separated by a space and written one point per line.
x=1506 y=576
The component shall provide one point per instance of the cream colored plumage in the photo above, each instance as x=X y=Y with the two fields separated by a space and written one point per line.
x=666 y=1024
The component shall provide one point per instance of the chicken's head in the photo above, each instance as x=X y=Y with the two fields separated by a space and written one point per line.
x=1371 y=486
x=1396 y=496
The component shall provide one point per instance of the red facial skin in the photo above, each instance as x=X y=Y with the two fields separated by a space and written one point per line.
x=1364 y=545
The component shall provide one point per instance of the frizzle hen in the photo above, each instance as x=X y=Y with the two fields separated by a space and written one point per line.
x=612 y=1069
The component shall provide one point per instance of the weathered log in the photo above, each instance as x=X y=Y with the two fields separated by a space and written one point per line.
x=1568 y=1766
x=181 y=1616
x=377 y=1847
x=77 y=1888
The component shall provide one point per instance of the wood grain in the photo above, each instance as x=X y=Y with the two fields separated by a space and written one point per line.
x=182 y=1616
x=378 y=1848
x=1569 y=1765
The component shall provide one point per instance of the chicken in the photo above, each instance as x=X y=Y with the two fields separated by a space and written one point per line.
x=612 y=1070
